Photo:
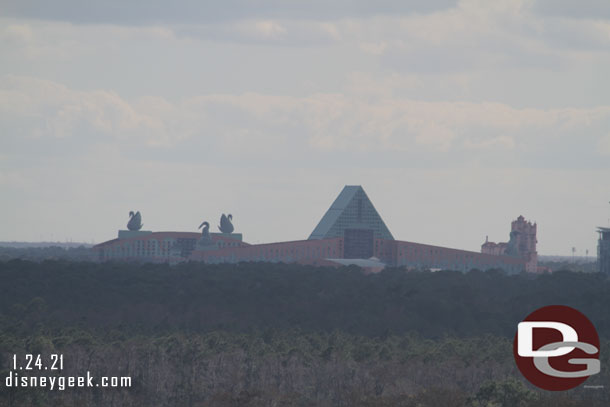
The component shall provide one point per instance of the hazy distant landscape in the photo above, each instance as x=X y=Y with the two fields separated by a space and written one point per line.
x=45 y=251
x=25 y=245
x=39 y=251
x=200 y=144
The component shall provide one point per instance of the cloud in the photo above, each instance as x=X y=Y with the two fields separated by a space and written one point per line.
x=221 y=126
x=587 y=9
x=192 y=11
x=491 y=143
x=375 y=48
x=477 y=36
x=472 y=50
x=604 y=145
x=57 y=110
x=262 y=31
x=20 y=33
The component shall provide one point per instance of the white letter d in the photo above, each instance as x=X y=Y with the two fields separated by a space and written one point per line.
x=525 y=340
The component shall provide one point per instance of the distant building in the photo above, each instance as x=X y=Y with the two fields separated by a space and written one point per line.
x=522 y=244
x=603 y=250
x=159 y=247
x=350 y=232
x=492 y=248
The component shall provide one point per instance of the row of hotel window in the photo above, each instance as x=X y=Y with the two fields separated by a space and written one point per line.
x=268 y=253
x=138 y=249
x=153 y=247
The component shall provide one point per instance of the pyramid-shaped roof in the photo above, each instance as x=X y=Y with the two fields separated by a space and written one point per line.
x=351 y=210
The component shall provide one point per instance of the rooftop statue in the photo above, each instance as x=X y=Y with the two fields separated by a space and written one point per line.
x=205 y=232
x=225 y=224
x=135 y=221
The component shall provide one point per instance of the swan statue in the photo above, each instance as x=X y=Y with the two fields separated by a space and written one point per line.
x=205 y=232
x=135 y=221
x=225 y=224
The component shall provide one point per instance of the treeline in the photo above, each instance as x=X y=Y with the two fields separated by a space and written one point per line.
x=567 y=265
x=289 y=368
x=262 y=334
x=38 y=254
x=153 y=299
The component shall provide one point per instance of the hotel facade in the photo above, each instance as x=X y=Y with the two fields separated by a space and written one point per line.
x=350 y=232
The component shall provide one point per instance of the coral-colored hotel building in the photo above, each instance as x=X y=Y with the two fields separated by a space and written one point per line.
x=351 y=232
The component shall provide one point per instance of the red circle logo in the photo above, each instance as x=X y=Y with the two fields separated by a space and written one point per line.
x=556 y=348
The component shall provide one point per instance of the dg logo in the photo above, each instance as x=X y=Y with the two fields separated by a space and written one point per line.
x=556 y=348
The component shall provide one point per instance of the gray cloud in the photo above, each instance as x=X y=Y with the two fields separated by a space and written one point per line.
x=591 y=9
x=252 y=126
x=194 y=11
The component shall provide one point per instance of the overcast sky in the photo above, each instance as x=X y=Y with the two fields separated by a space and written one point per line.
x=455 y=117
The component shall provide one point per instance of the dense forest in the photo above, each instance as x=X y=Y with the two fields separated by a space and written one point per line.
x=260 y=334
x=53 y=252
